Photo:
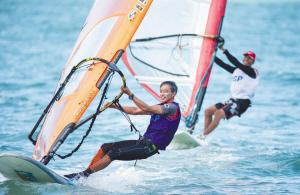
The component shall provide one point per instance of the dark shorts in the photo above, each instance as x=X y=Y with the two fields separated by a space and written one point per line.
x=130 y=149
x=234 y=107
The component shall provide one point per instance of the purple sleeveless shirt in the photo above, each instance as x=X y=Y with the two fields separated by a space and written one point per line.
x=162 y=129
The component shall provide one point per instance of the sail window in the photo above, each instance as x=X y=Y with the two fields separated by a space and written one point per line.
x=89 y=47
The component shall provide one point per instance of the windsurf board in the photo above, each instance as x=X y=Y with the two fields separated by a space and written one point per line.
x=183 y=140
x=22 y=168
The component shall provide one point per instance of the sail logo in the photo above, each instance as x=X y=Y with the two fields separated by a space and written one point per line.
x=131 y=15
x=237 y=78
x=143 y=2
x=84 y=105
x=137 y=6
x=26 y=176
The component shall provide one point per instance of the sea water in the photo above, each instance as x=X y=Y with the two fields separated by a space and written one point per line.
x=258 y=153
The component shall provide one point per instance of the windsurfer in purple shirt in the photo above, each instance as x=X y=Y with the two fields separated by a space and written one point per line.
x=164 y=122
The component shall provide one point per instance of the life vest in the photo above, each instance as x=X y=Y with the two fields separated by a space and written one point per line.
x=243 y=86
x=162 y=129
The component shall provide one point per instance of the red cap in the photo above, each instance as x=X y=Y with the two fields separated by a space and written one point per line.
x=251 y=54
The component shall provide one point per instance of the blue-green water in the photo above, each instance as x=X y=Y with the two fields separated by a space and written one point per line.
x=258 y=153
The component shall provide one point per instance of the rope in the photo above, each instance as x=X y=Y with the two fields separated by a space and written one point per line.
x=59 y=93
x=219 y=39
x=92 y=122
x=170 y=73
x=132 y=127
x=117 y=103
x=178 y=44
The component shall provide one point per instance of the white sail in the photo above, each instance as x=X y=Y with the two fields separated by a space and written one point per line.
x=185 y=58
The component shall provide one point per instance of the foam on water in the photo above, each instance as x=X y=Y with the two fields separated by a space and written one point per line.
x=120 y=181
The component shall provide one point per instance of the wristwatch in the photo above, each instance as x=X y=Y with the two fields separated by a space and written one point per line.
x=131 y=96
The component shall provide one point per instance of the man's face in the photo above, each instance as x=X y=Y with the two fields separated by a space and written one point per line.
x=166 y=93
x=247 y=60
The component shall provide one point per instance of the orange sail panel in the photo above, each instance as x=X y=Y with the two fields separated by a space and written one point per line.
x=155 y=55
x=108 y=29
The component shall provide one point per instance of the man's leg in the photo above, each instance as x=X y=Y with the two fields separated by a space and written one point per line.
x=105 y=148
x=209 y=112
x=101 y=159
x=131 y=152
x=96 y=158
x=100 y=164
x=219 y=114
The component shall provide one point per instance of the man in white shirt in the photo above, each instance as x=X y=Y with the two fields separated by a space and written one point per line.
x=243 y=86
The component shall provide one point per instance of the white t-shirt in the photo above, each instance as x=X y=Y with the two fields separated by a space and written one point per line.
x=243 y=86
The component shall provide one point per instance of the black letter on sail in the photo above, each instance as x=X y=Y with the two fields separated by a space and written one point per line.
x=131 y=15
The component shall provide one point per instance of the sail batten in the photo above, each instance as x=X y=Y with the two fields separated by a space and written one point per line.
x=159 y=80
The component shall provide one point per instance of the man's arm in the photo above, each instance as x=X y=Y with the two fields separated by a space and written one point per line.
x=246 y=69
x=142 y=107
x=156 y=109
x=129 y=109
x=223 y=65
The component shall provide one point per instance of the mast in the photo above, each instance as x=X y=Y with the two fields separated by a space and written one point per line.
x=214 y=27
